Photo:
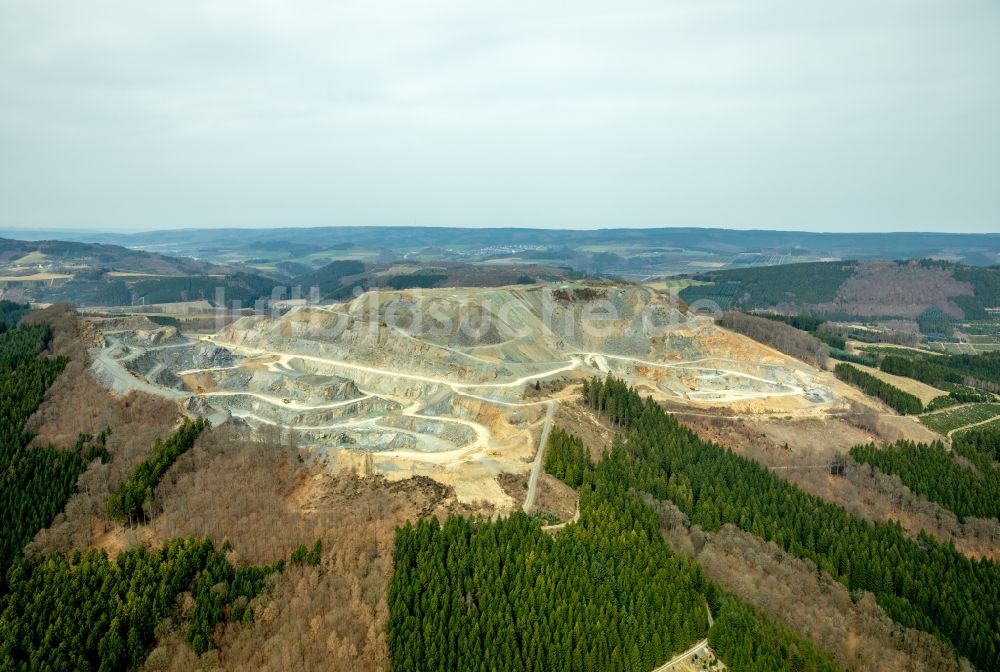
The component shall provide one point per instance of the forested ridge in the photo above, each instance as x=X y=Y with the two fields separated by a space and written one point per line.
x=605 y=593
x=36 y=481
x=902 y=402
x=929 y=470
x=45 y=600
x=920 y=583
x=119 y=602
x=811 y=324
x=768 y=286
x=88 y=612
x=844 y=290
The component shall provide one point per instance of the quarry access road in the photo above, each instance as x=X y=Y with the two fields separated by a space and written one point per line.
x=284 y=358
x=574 y=363
x=288 y=403
x=124 y=380
x=241 y=413
x=596 y=357
x=127 y=380
x=536 y=467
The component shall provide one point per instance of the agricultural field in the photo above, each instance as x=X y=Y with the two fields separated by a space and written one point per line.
x=901 y=350
x=35 y=277
x=951 y=419
x=963 y=348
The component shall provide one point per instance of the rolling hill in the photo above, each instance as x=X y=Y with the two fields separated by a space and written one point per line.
x=924 y=291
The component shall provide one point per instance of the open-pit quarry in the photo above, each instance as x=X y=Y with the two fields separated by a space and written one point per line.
x=443 y=382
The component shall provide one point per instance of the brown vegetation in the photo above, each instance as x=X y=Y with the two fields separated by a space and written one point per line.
x=593 y=429
x=553 y=496
x=581 y=294
x=515 y=485
x=77 y=402
x=794 y=591
x=265 y=500
x=778 y=335
x=556 y=497
x=801 y=452
x=889 y=288
x=261 y=495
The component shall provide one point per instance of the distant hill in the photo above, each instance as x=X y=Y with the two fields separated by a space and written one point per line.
x=90 y=274
x=340 y=279
x=627 y=253
x=47 y=254
x=918 y=291
x=93 y=274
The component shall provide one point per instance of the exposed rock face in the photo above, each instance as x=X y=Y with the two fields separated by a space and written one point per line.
x=453 y=382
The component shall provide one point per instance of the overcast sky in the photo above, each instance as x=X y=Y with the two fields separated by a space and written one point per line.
x=833 y=116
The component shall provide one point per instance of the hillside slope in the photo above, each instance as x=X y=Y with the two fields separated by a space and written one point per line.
x=908 y=290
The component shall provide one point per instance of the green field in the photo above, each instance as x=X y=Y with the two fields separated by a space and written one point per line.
x=891 y=349
x=951 y=419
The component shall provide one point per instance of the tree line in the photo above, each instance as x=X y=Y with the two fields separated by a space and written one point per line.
x=980 y=445
x=931 y=471
x=604 y=594
x=88 y=612
x=919 y=583
x=133 y=497
x=10 y=314
x=920 y=369
x=900 y=401
x=814 y=325
x=36 y=481
x=746 y=639
x=981 y=370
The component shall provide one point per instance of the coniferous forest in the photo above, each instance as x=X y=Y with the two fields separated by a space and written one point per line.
x=980 y=445
x=87 y=612
x=37 y=480
x=903 y=402
x=919 y=583
x=119 y=601
x=605 y=593
x=930 y=470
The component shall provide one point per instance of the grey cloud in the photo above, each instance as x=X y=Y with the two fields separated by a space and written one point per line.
x=803 y=115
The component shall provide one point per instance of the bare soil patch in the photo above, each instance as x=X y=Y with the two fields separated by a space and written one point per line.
x=595 y=431
x=556 y=497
